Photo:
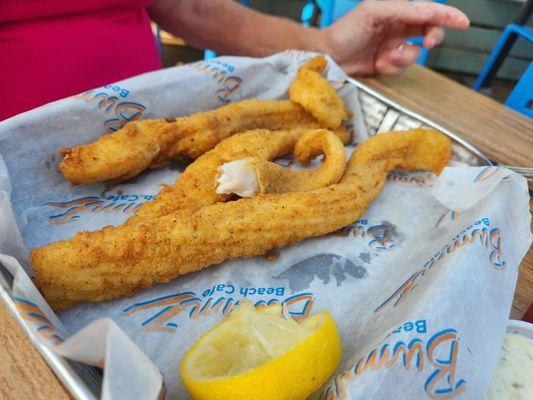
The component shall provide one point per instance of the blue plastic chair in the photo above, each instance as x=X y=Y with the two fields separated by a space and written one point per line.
x=521 y=98
x=504 y=45
x=308 y=13
x=332 y=10
x=510 y=33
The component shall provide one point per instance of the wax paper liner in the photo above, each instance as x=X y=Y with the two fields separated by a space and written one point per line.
x=420 y=287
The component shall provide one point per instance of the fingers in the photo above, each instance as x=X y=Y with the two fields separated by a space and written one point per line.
x=434 y=35
x=394 y=53
x=406 y=54
x=393 y=62
x=416 y=13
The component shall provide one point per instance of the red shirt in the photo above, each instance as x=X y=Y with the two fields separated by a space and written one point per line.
x=50 y=49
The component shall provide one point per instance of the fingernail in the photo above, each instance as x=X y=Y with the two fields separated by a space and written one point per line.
x=431 y=42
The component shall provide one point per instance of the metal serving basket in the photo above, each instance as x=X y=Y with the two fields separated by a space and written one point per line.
x=380 y=115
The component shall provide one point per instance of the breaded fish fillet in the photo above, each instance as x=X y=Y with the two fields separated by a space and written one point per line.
x=250 y=176
x=119 y=261
x=196 y=187
x=152 y=143
x=317 y=64
x=315 y=94
x=243 y=116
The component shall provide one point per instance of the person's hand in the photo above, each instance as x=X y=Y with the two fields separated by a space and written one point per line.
x=371 y=38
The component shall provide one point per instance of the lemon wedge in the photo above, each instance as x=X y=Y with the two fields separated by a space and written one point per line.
x=258 y=354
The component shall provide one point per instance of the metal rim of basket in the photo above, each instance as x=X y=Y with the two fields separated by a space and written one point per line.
x=74 y=382
x=391 y=103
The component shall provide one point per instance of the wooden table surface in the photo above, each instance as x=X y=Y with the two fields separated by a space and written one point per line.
x=502 y=134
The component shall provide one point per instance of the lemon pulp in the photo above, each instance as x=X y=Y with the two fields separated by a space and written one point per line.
x=248 y=339
x=262 y=354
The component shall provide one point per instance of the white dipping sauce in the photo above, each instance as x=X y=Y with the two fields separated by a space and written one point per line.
x=513 y=378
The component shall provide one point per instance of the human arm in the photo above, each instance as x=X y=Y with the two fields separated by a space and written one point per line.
x=230 y=28
x=370 y=39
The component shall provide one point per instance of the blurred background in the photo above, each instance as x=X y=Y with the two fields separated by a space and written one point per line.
x=462 y=56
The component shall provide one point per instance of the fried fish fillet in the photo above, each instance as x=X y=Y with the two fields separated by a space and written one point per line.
x=316 y=95
x=119 y=261
x=152 y=143
x=196 y=187
x=243 y=116
x=317 y=64
x=120 y=155
x=250 y=176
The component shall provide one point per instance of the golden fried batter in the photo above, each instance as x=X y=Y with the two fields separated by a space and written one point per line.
x=119 y=261
x=120 y=155
x=250 y=176
x=244 y=116
x=315 y=94
x=196 y=186
x=317 y=64
x=152 y=143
